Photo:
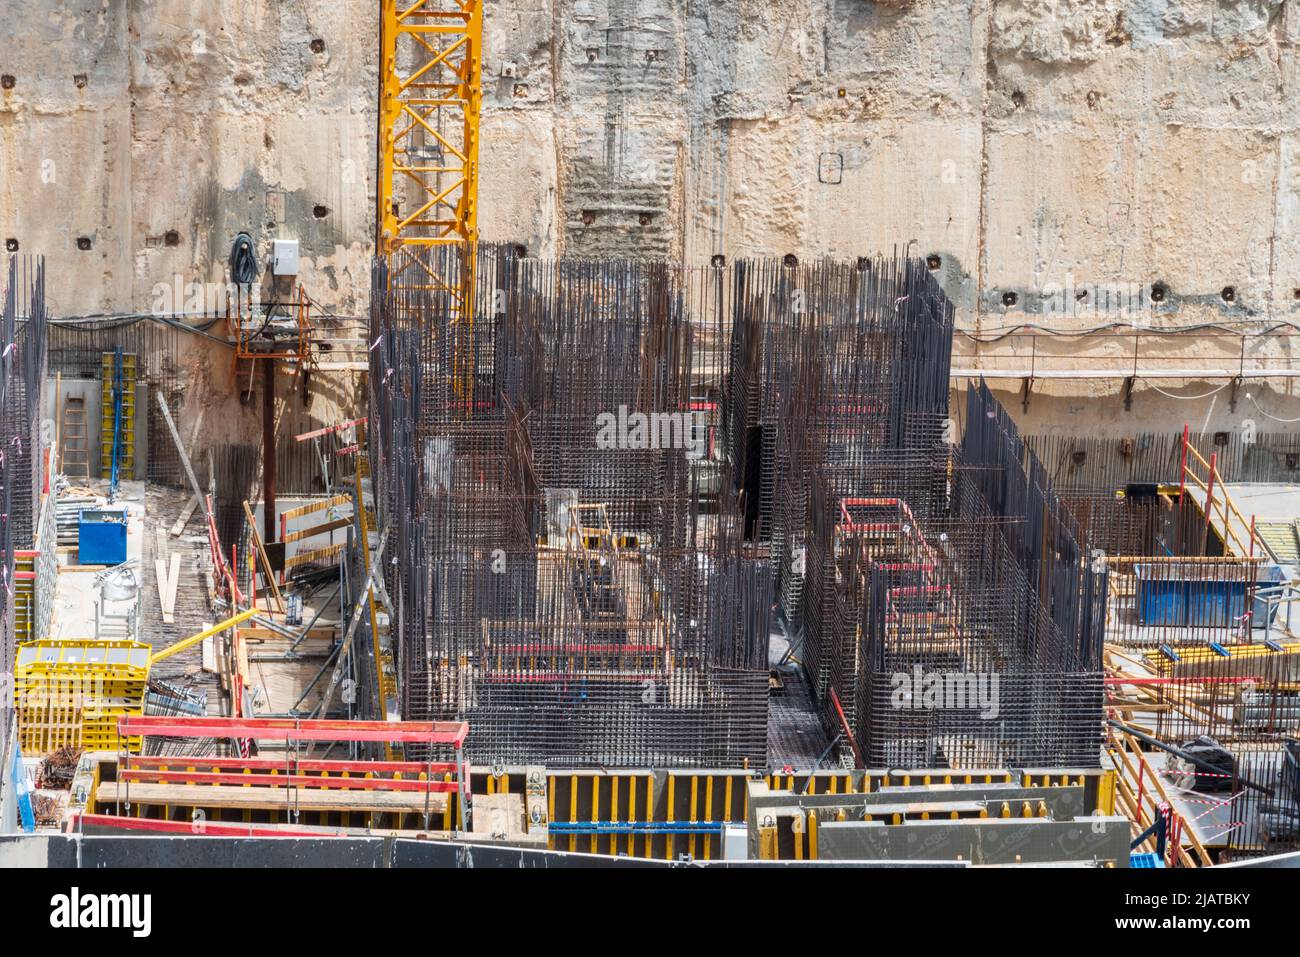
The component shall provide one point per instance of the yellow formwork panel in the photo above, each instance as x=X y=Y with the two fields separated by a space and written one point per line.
x=70 y=693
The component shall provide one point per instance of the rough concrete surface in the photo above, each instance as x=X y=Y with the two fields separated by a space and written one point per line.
x=1032 y=145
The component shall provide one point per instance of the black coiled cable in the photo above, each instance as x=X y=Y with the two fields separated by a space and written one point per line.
x=243 y=260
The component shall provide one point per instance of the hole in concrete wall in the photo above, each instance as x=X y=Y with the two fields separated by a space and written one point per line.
x=864 y=263
x=593 y=54
x=1295 y=293
x=651 y=56
x=790 y=260
x=718 y=261
x=83 y=242
x=520 y=250
x=11 y=245
x=1094 y=97
x=588 y=217
x=841 y=93
x=1081 y=295
x=7 y=81
x=320 y=212
x=933 y=261
x=645 y=219
x=1228 y=294
x=1126 y=447
x=1221 y=439
x=1078 y=456
x=396 y=207
x=79 y=80
x=1018 y=99
x=521 y=90
x=1159 y=291
x=318 y=45
x=171 y=238
x=1293 y=460
x=1010 y=299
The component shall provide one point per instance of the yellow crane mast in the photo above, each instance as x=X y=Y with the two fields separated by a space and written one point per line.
x=431 y=90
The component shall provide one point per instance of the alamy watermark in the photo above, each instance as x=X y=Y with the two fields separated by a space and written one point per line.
x=651 y=430
x=921 y=690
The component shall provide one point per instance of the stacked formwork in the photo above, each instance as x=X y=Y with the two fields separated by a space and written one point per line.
x=559 y=579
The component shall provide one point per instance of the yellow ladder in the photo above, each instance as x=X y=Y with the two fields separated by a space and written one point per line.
x=126 y=464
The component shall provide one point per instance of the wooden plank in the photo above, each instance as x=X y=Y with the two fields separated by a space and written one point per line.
x=179 y=525
x=266 y=634
x=161 y=575
x=317 y=530
x=268 y=575
x=266 y=798
x=328 y=429
x=316 y=506
x=315 y=554
x=180 y=449
x=168 y=597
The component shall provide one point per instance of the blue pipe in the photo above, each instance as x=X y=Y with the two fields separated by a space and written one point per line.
x=636 y=827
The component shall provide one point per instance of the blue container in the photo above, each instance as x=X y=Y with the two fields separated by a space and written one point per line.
x=1185 y=595
x=1160 y=601
x=101 y=537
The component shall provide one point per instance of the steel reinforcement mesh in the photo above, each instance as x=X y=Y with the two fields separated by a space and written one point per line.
x=22 y=414
x=604 y=484
x=570 y=577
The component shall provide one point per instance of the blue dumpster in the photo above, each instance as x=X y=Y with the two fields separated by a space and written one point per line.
x=101 y=536
x=1192 y=595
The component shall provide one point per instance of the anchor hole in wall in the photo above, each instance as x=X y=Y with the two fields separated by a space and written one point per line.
x=11 y=245
x=588 y=217
x=718 y=261
x=171 y=238
x=1228 y=294
x=79 y=80
x=320 y=212
x=1009 y=299
x=318 y=45
x=790 y=260
x=1159 y=291
x=933 y=261
x=83 y=243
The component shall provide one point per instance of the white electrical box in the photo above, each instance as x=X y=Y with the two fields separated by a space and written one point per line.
x=735 y=842
x=284 y=257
